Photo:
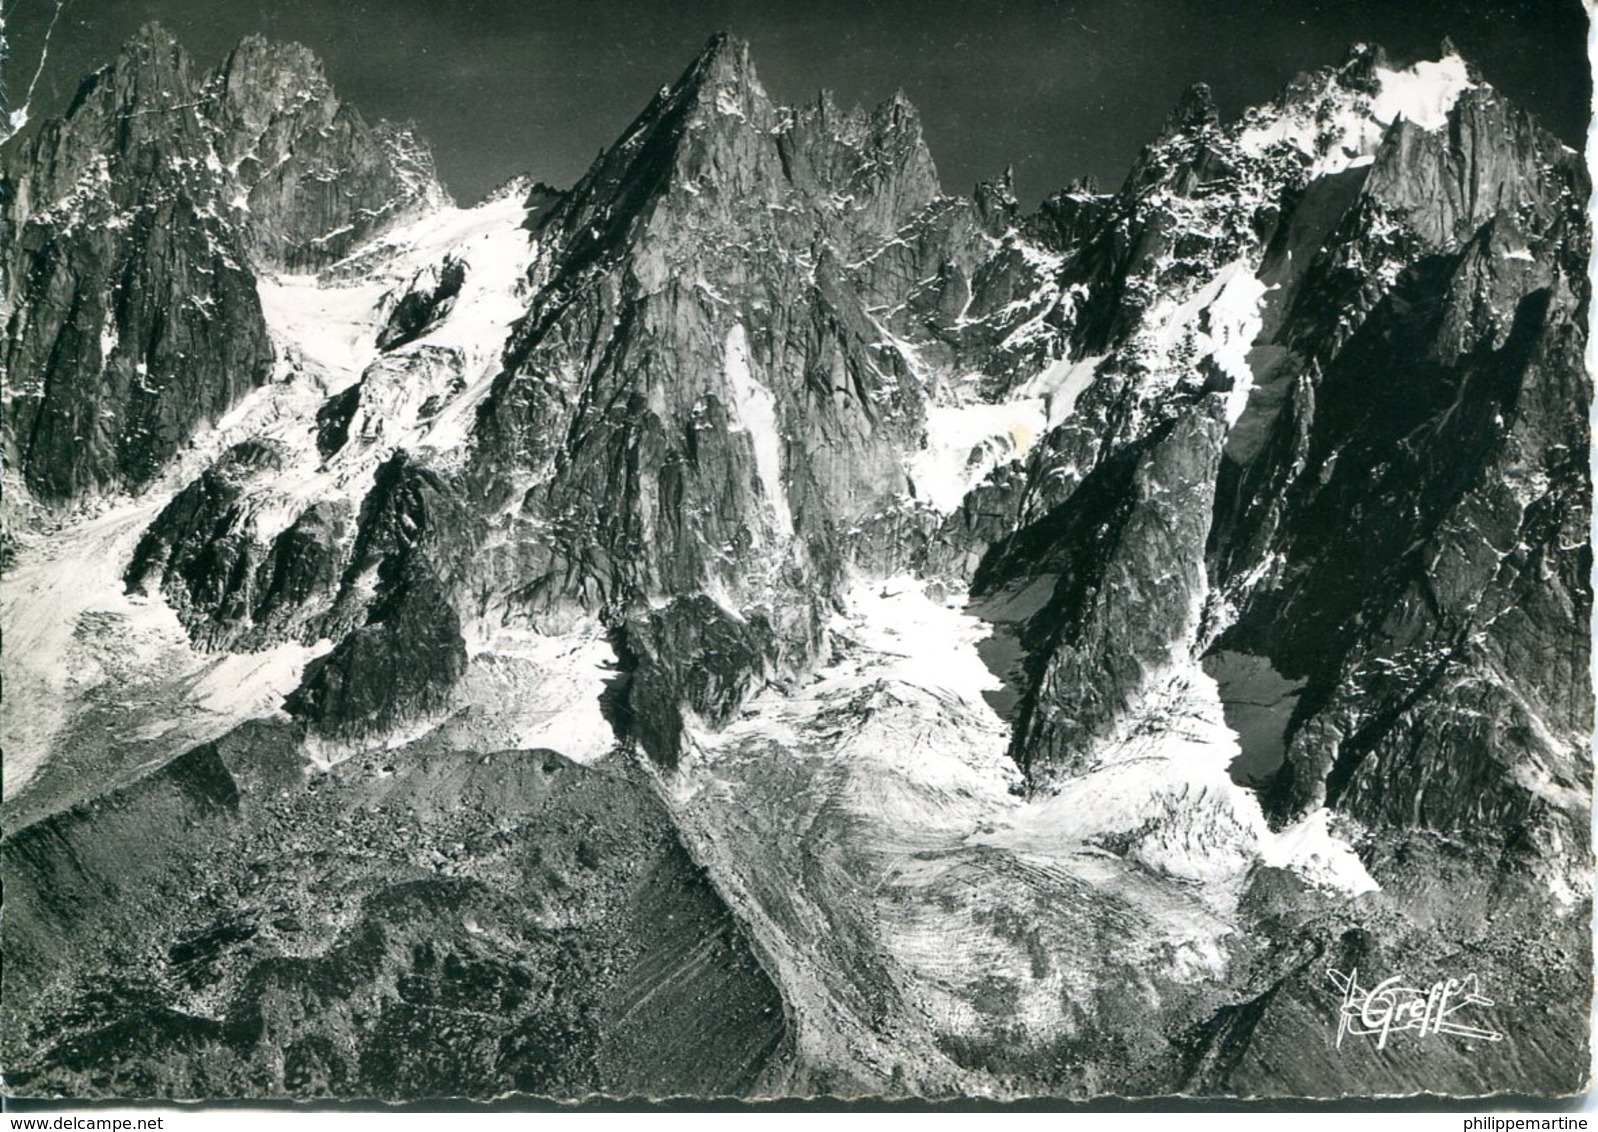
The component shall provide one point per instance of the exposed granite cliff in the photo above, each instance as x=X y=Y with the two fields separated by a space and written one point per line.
x=133 y=226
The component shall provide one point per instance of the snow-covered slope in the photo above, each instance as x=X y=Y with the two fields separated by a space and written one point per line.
x=872 y=812
x=83 y=649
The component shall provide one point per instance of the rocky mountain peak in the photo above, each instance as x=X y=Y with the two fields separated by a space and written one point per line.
x=724 y=60
x=154 y=43
x=1358 y=70
x=186 y=182
x=262 y=79
x=714 y=147
x=313 y=175
x=898 y=113
x=256 y=54
x=720 y=83
x=996 y=203
x=152 y=77
x=1194 y=112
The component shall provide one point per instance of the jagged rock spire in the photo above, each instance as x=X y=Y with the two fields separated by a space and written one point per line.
x=1194 y=112
x=1358 y=69
x=995 y=199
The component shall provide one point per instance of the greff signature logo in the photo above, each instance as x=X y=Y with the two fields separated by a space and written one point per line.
x=1446 y=1007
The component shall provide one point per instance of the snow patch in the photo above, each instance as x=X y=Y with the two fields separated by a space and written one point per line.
x=1424 y=93
x=253 y=684
x=328 y=330
x=1310 y=849
x=530 y=690
x=1160 y=792
x=966 y=438
x=109 y=337
x=918 y=640
x=727 y=104
x=112 y=675
x=421 y=396
x=1060 y=385
x=755 y=410
x=1219 y=321
x=1339 y=129
x=965 y=443
x=1234 y=322
x=878 y=801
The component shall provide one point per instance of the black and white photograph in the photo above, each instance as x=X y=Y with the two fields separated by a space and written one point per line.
x=1022 y=552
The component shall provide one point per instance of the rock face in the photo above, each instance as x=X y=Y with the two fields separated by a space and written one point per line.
x=955 y=623
x=1106 y=628
x=133 y=226
x=736 y=417
x=315 y=179
x=130 y=315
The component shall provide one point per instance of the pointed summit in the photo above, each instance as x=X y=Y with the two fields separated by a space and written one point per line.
x=725 y=57
x=899 y=105
x=1358 y=69
x=144 y=97
x=257 y=57
x=151 y=65
x=151 y=36
x=688 y=132
x=723 y=74
x=315 y=176
x=261 y=80
x=1194 y=112
x=995 y=200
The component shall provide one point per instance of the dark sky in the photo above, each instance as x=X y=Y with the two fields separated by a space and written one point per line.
x=1056 y=88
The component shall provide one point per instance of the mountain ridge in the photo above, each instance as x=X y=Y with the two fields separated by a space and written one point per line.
x=1170 y=560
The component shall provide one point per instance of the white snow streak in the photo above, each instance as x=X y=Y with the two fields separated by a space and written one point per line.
x=1219 y=321
x=1234 y=323
x=755 y=410
x=18 y=118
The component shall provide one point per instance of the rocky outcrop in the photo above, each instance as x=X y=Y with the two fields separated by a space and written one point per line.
x=429 y=298
x=1108 y=628
x=231 y=589
x=728 y=407
x=130 y=315
x=1414 y=418
x=399 y=648
x=1400 y=528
